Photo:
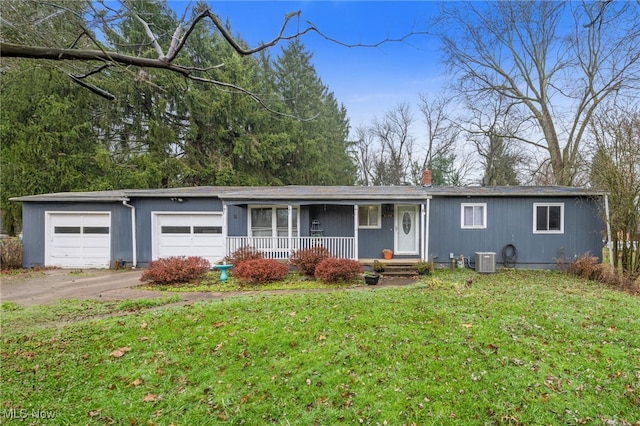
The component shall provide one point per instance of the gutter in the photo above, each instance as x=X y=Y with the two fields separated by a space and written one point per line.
x=134 y=240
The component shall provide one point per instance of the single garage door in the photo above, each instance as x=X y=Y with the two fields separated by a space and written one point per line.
x=188 y=234
x=78 y=240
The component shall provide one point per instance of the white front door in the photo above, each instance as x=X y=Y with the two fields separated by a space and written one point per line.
x=406 y=230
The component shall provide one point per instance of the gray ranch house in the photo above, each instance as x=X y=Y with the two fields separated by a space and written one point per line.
x=523 y=227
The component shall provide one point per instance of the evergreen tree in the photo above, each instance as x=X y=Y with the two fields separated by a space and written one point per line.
x=48 y=141
x=500 y=164
x=320 y=139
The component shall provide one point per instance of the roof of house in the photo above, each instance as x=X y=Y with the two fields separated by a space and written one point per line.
x=512 y=191
x=329 y=193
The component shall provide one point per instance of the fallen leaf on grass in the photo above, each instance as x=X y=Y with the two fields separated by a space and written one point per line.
x=143 y=324
x=150 y=397
x=136 y=382
x=120 y=352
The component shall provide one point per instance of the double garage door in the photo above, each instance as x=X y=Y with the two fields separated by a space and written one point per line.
x=188 y=234
x=78 y=240
x=83 y=239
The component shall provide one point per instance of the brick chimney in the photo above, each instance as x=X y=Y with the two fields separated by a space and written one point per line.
x=426 y=178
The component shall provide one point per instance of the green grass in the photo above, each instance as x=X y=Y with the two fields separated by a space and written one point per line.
x=18 y=320
x=516 y=347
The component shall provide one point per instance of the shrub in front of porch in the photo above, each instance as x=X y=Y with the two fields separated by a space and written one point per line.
x=176 y=269
x=243 y=254
x=306 y=260
x=259 y=271
x=334 y=270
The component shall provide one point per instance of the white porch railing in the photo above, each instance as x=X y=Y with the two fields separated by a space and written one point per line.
x=279 y=247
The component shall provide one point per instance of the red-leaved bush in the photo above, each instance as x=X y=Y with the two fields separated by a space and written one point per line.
x=243 y=254
x=260 y=271
x=177 y=269
x=306 y=260
x=334 y=270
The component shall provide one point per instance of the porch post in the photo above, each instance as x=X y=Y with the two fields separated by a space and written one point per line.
x=355 y=232
x=289 y=229
x=423 y=240
x=426 y=230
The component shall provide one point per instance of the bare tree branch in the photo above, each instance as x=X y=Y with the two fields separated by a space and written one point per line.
x=167 y=61
x=152 y=37
x=92 y=88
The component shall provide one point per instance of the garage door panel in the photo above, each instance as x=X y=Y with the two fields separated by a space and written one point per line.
x=189 y=235
x=67 y=252
x=78 y=240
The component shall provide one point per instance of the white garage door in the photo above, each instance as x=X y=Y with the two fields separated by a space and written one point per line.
x=188 y=234
x=78 y=240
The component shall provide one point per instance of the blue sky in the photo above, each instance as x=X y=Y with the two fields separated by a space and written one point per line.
x=367 y=81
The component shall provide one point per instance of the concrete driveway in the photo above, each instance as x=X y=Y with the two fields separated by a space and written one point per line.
x=51 y=285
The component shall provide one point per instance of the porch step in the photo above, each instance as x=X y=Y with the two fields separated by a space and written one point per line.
x=397 y=271
x=394 y=267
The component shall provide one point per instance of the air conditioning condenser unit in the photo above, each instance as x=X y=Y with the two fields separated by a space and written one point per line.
x=485 y=262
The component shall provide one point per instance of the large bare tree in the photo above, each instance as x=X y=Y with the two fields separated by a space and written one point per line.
x=555 y=62
x=491 y=128
x=616 y=169
x=394 y=136
x=442 y=151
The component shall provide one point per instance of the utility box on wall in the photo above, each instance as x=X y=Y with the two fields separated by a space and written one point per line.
x=485 y=262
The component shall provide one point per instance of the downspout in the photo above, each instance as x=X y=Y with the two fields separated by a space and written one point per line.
x=607 y=218
x=134 y=241
x=225 y=231
x=290 y=229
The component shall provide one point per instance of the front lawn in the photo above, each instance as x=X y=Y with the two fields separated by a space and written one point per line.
x=516 y=347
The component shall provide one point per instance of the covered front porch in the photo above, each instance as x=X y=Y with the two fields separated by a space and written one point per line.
x=281 y=248
x=355 y=231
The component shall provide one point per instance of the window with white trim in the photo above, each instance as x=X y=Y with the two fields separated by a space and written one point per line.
x=548 y=218
x=272 y=221
x=369 y=216
x=473 y=216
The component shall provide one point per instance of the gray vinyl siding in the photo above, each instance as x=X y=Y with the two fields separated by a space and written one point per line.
x=34 y=233
x=510 y=221
x=371 y=242
x=335 y=220
x=237 y=221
